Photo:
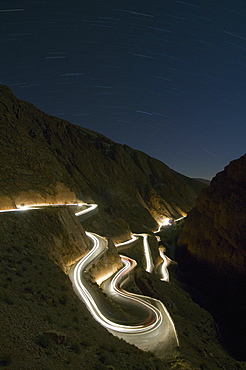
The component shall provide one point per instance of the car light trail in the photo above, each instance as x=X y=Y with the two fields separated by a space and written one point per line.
x=148 y=257
x=133 y=238
x=165 y=264
x=147 y=253
x=81 y=287
x=90 y=207
x=156 y=332
x=154 y=316
x=179 y=219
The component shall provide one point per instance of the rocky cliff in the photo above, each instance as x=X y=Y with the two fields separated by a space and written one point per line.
x=212 y=246
x=215 y=229
x=45 y=159
x=56 y=230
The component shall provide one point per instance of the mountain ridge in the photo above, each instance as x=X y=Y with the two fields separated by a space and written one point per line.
x=46 y=158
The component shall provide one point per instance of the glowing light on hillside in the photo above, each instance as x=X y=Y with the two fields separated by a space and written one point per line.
x=164 y=221
x=100 y=279
x=23 y=208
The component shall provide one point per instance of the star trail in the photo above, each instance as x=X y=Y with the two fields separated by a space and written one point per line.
x=164 y=77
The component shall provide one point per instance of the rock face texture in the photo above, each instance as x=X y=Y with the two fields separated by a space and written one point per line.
x=212 y=246
x=45 y=159
x=60 y=234
x=56 y=230
x=105 y=266
x=215 y=230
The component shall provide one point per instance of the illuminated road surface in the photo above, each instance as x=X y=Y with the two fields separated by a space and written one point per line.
x=164 y=274
x=151 y=327
x=155 y=332
x=83 y=289
x=147 y=253
x=164 y=266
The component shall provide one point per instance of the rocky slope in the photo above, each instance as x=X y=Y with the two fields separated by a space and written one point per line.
x=212 y=249
x=45 y=326
x=43 y=323
x=45 y=159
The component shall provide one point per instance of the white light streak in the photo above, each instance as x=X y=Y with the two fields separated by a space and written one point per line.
x=165 y=264
x=90 y=208
x=154 y=316
x=79 y=282
x=133 y=238
x=11 y=10
x=178 y=219
x=148 y=257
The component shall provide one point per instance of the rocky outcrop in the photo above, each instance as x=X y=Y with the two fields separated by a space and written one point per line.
x=45 y=159
x=56 y=230
x=212 y=250
x=214 y=230
x=55 y=336
x=61 y=236
x=105 y=266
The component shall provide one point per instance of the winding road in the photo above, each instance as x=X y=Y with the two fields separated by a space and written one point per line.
x=150 y=326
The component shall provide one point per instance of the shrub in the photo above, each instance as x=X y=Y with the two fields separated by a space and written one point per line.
x=28 y=289
x=43 y=341
x=48 y=318
x=5 y=360
x=4 y=297
x=75 y=348
x=63 y=299
x=85 y=343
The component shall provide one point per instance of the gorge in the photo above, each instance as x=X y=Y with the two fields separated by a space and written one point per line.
x=45 y=161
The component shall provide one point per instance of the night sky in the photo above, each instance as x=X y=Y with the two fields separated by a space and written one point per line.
x=165 y=77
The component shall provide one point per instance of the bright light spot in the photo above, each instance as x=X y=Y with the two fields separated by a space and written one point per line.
x=166 y=222
x=163 y=222
x=23 y=208
x=80 y=204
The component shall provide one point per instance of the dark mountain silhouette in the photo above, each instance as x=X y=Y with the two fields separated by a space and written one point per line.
x=212 y=251
x=204 y=181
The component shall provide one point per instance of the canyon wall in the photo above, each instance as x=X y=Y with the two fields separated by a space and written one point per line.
x=211 y=250
x=214 y=230
x=45 y=160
